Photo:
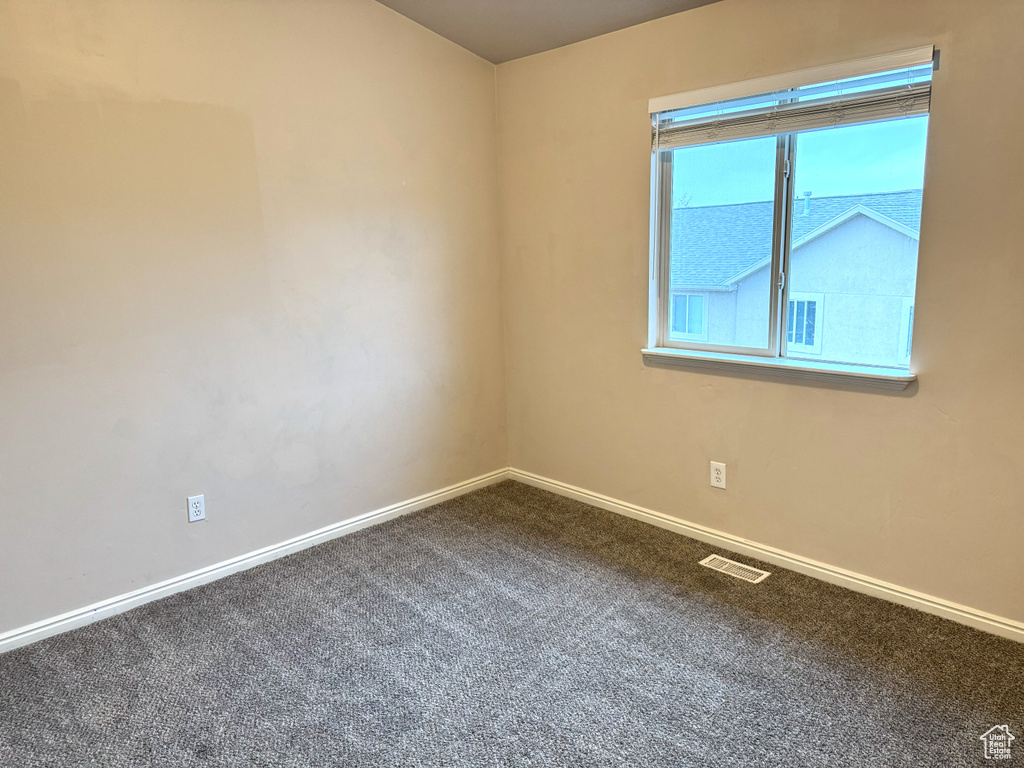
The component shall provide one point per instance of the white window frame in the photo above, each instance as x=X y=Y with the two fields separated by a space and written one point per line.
x=703 y=335
x=819 y=314
x=661 y=228
x=661 y=349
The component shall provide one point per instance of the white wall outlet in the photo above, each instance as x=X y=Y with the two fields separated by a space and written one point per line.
x=718 y=475
x=196 y=509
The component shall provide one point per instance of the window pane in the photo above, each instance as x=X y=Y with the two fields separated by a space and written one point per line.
x=678 y=314
x=722 y=209
x=855 y=224
x=799 y=338
x=809 y=328
x=696 y=316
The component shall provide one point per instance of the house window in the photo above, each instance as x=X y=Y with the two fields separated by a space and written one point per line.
x=778 y=204
x=804 y=322
x=689 y=316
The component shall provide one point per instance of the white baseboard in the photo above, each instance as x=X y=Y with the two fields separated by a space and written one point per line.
x=997 y=625
x=987 y=622
x=78 y=618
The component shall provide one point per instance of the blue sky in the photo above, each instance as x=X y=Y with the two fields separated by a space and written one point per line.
x=874 y=157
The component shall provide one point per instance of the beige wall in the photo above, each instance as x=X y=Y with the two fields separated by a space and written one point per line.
x=247 y=249
x=250 y=249
x=923 y=490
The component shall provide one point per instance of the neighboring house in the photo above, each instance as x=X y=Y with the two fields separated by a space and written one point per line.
x=853 y=267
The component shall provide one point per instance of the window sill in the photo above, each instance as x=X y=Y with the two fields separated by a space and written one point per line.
x=867 y=376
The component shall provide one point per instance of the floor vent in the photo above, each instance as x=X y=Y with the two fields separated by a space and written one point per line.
x=740 y=571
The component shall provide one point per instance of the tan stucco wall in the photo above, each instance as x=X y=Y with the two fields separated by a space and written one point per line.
x=923 y=489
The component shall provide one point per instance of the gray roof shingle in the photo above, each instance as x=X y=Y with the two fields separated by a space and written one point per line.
x=712 y=244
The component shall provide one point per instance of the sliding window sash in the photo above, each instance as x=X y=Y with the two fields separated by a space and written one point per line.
x=662 y=245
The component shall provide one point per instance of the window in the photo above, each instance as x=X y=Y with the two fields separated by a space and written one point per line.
x=803 y=322
x=771 y=207
x=689 y=316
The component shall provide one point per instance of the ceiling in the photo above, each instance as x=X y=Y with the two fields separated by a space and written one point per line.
x=502 y=30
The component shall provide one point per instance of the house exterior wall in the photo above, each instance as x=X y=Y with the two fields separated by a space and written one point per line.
x=864 y=269
x=752 y=310
x=721 y=317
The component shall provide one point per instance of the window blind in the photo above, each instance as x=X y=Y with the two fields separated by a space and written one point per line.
x=886 y=96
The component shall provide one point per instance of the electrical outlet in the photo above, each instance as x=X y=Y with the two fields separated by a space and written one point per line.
x=196 y=509
x=718 y=475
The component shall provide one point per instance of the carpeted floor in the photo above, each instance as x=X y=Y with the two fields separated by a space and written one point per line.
x=510 y=627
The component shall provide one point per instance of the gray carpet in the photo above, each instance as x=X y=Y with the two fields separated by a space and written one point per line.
x=510 y=627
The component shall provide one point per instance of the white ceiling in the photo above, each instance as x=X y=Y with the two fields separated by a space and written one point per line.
x=502 y=30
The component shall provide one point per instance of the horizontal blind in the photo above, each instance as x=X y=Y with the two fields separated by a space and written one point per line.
x=888 y=103
x=788 y=81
